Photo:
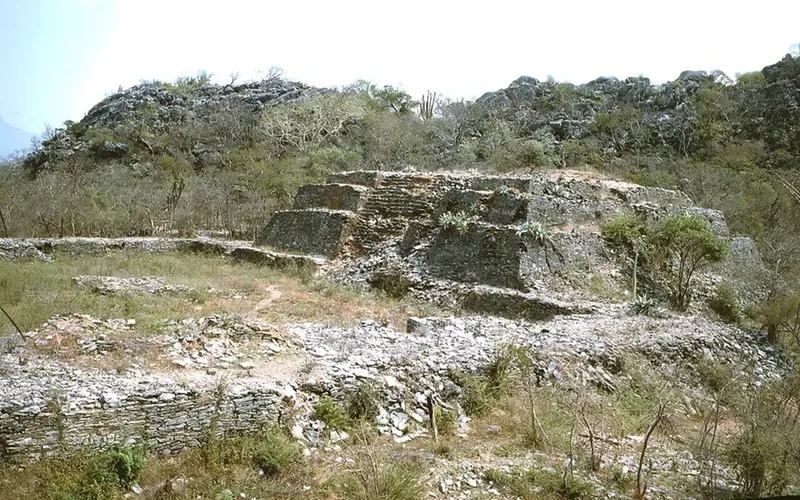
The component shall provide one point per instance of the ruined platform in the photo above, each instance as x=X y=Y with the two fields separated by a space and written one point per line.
x=357 y=214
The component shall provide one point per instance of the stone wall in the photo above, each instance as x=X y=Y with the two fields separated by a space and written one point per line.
x=166 y=417
x=313 y=232
x=330 y=196
x=485 y=254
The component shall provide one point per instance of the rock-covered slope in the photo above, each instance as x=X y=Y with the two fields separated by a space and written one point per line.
x=134 y=117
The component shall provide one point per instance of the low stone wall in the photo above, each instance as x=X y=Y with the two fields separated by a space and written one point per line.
x=514 y=305
x=11 y=247
x=89 y=410
x=45 y=248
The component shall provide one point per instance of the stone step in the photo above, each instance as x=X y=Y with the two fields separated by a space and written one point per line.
x=368 y=178
x=515 y=305
x=311 y=231
x=279 y=260
x=330 y=196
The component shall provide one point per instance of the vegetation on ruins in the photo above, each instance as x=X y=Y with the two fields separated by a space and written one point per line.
x=670 y=250
x=458 y=222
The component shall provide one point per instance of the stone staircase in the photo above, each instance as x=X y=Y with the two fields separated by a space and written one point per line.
x=395 y=200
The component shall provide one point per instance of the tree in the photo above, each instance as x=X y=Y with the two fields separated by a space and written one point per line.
x=685 y=244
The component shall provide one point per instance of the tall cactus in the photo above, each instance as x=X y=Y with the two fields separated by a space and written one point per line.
x=426 y=105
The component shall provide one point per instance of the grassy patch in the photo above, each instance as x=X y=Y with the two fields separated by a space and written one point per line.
x=33 y=292
x=374 y=475
x=542 y=484
x=78 y=476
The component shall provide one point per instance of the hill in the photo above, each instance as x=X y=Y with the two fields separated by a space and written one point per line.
x=13 y=139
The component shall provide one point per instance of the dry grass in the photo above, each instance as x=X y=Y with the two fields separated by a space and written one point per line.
x=33 y=292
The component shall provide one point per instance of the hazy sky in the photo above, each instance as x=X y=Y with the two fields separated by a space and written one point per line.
x=59 y=57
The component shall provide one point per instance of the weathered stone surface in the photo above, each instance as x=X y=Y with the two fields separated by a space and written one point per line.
x=511 y=304
x=264 y=257
x=486 y=254
x=331 y=196
x=359 y=177
x=146 y=284
x=314 y=232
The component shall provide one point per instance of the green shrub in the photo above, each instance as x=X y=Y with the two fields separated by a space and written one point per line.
x=127 y=464
x=724 y=303
x=374 y=476
x=534 y=483
x=445 y=421
x=81 y=475
x=672 y=250
x=362 y=404
x=328 y=411
x=625 y=230
x=275 y=452
x=685 y=244
x=475 y=398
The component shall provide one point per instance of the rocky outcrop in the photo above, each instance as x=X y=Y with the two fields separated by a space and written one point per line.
x=159 y=108
x=554 y=112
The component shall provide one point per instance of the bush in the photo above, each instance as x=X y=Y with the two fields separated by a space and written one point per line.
x=475 y=398
x=275 y=452
x=80 y=475
x=684 y=245
x=724 y=303
x=362 y=403
x=540 y=484
x=126 y=464
x=673 y=249
x=377 y=477
x=625 y=231
x=328 y=411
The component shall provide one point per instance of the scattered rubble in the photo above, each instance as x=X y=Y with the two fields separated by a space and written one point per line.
x=107 y=285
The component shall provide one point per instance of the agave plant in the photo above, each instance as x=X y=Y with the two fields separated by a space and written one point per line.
x=535 y=230
x=459 y=221
x=643 y=304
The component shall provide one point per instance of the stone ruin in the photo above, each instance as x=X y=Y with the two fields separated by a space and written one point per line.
x=381 y=228
x=495 y=266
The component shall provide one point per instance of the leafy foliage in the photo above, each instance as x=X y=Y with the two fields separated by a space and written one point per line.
x=725 y=304
x=675 y=248
x=328 y=411
x=685 y=245
x=275 y=452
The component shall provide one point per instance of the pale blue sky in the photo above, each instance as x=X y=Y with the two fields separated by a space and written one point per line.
x=59 y=57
